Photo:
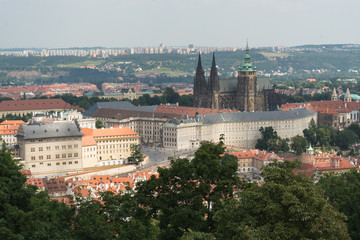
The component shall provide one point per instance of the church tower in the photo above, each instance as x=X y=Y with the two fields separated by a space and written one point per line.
x=200 y=88
x=347 y=97
x=247 y=84
x=214 y=85
x=334 y=96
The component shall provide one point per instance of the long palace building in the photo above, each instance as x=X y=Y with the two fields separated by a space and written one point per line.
x=240 y=129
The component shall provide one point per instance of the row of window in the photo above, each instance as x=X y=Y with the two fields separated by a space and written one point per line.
x=48 y=148
x=111 y=151
x=125 y=145
x=57 y=156
x=57 y=164
x=53 y=139
x=117 y=140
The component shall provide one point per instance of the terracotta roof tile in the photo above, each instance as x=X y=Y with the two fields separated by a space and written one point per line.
x=36 y=104
x=107 y=132
x=88 y=141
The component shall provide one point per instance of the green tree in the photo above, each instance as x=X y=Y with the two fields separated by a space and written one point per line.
x=310 y=133
x=286 y=206
x=346 y=138
x=24 y=213
x=298 y=144
x=99 y=124
x=185 y=196
x=136 y=155
x=355 y=128
x=171 y=96
x=267 y=133
x=343 y=192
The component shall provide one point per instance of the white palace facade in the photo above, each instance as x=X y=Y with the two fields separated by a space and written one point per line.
x=240 y=129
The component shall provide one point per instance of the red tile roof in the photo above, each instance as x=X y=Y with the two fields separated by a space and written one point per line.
x=12 y=122
x=108 y=132
x=39 y=182
x=88 y=141
x=37 y=104
x=257 y=154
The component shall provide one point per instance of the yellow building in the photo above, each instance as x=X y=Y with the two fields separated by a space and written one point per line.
x=113 y=143
x=50 y=149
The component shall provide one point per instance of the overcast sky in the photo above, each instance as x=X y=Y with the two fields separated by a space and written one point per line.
x=218 y=23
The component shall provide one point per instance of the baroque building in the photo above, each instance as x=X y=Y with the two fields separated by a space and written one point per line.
x=245 y=93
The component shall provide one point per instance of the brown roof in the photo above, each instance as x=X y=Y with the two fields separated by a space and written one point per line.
x=36 y=104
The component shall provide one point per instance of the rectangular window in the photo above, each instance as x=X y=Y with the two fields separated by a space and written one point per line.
x=58 y=163
x=63 y=155
x=40 y=149
x=70 y=162
x=32 y=158
x=48 y=148
x=33 y=165
x=76 y=154
x=48 y=156
x=76 y=146
x=64 y=163
x=70 y=155
x=76 y=162
x=57 y=155
x=49 y=164
x=32 y=149
x=63 y=146
x=57 y=147
x=41 y=163
x=69 y=146
x=41 y=157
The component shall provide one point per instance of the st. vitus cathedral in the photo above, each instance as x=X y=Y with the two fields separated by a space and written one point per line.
x=245 y=93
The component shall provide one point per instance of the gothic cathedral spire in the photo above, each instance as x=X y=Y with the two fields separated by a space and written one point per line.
x=214 y=78
x=200 y=87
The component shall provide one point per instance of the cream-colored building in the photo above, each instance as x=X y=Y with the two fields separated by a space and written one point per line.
x=48 y=149
x=89 y=152
x=240 y=129
x=113 y=143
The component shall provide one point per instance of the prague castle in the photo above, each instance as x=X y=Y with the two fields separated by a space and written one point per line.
x=245 y=93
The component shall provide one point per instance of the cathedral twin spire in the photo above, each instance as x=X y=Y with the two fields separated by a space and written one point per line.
x=200 y=83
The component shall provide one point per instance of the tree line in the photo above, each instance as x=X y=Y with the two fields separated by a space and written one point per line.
x=168 y=96
x=317 y=136
x=201 y=198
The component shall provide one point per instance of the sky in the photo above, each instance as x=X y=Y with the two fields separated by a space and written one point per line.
x=147 y=23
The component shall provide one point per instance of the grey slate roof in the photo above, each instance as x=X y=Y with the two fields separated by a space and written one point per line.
x=121 y=105
x=263 y=83
x=37 y=131
x=252 y=116
x=230 y=84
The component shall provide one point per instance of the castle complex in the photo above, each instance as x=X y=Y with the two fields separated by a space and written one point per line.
x=245 y=93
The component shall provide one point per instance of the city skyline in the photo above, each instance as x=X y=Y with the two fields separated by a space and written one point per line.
x=145 y=23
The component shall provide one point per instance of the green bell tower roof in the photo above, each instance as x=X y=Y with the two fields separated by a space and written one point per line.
x=246 y=65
